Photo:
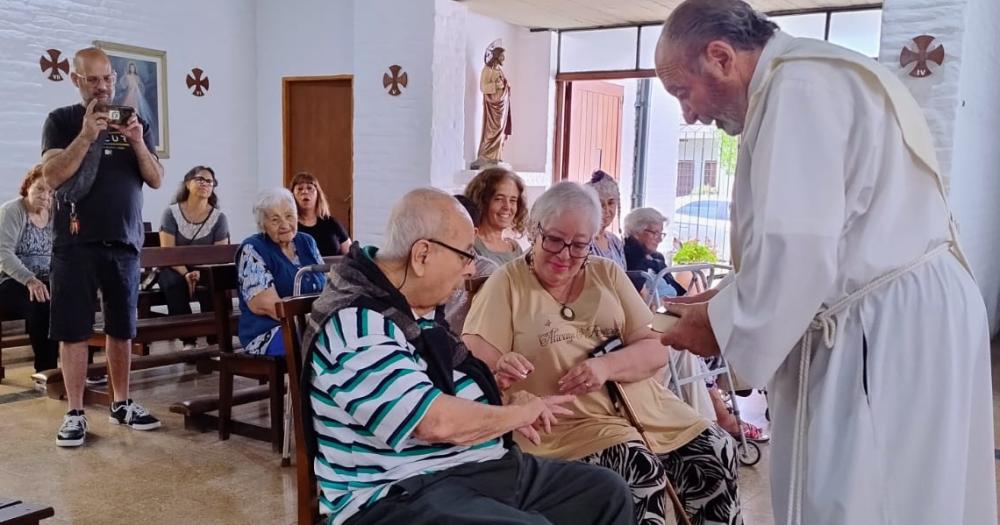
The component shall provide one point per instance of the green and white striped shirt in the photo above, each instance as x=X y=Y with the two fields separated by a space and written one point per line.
x=369 y=390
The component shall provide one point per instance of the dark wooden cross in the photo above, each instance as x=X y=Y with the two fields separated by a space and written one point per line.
x=395 y=81
x=199 y=83
x=52 y=62
x=922 y=56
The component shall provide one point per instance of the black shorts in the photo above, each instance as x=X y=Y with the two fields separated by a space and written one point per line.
x=78 y=271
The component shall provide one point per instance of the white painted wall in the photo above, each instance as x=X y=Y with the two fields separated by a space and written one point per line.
x=975 y=174
x=294 y=38
x=217 y=130
x=448 y=117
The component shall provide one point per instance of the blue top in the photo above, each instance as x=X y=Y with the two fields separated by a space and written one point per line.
x=260 y=264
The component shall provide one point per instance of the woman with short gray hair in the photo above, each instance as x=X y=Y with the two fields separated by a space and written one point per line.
x=542 y=322
x=643 y=235
x=266 y=264
x=606 y=244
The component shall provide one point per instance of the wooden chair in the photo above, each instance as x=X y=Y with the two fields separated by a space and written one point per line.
x=293 y=313
x=16 y=512
x=266 y=369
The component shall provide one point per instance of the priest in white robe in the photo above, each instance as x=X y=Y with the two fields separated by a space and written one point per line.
x=843 y=244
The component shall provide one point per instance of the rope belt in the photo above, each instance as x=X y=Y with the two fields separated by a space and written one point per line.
x=825 y=321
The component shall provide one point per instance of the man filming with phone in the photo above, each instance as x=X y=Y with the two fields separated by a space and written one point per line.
x=97 y=157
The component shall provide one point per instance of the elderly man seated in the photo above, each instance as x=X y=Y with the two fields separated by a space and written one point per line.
x=408 y=425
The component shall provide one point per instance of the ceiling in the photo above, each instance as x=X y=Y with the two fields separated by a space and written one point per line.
x=569 y=14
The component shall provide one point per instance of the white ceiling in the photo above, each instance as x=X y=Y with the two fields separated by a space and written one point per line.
x=567 y=14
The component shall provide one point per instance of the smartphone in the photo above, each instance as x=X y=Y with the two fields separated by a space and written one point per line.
x=120 y=115
x=663 y=321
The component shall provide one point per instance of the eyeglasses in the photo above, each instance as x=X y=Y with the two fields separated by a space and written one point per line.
x=94 y=81
x=205 y=182
x=555 y=246
x=655 y=233
x=467 y=257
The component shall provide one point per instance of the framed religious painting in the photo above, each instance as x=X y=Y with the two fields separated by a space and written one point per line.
x=142 y=84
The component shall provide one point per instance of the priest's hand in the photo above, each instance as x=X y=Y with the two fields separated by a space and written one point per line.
x=703 y=297
x=693 y=332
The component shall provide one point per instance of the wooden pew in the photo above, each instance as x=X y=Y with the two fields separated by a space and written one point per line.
x=164 y=328
x=12 y=334
x=293 y=313
x=16 y=512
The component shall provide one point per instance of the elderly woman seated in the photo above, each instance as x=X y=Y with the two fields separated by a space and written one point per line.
x=266 y=264
x=643 y=235
x=538 y=322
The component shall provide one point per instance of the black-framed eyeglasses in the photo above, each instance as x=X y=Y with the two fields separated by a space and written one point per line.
x=205 y=181
x=555 y=246
x=661 y=235
x=467 y=257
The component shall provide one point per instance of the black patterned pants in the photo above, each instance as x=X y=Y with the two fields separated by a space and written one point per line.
x=703 y=472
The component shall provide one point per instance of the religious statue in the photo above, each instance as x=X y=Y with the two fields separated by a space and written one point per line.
x=496 y=108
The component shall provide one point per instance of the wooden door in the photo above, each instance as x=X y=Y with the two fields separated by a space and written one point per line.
x=595 y=129
x=318 y=117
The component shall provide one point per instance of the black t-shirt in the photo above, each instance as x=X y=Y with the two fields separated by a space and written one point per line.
x=329 y=235
x=112 y=210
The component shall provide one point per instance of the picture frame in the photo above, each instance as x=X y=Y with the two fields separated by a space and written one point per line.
x=142 y=84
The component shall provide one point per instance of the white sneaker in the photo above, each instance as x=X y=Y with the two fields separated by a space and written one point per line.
x=73 y=431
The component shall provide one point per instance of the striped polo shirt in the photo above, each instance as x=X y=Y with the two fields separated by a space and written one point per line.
x=369 y=390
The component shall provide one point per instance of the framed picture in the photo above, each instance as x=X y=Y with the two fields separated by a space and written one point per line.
x=142 y=84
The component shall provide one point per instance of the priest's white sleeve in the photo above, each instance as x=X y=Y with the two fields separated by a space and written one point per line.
x=792 y=214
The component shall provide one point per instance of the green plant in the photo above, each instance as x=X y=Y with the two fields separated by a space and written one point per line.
x=705 y=190
x=694 y=252
x=729 y=149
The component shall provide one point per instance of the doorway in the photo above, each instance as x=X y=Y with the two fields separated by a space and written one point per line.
x=318 y=129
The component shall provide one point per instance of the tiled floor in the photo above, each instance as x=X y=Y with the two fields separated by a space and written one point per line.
x=174 y=476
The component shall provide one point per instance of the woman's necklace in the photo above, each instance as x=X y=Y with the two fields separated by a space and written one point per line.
x=565 y=311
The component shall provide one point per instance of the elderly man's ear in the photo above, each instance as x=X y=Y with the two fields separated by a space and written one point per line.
x=418 y=257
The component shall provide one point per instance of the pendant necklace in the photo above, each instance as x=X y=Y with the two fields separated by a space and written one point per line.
x=565 y=311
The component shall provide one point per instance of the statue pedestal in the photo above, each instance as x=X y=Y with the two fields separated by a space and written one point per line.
x=480 y=165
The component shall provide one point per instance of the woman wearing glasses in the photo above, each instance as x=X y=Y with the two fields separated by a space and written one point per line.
x=193 y=219
x=643 y=235
x=538 y=323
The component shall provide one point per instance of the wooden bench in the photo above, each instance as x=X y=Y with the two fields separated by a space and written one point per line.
x=12 y=334
x=165 y=328
x=16 y=512
x=161 y=328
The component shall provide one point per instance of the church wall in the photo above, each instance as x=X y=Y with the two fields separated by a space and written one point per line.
x=217 y=130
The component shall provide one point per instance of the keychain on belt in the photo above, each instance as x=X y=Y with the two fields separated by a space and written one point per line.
x=74 y=221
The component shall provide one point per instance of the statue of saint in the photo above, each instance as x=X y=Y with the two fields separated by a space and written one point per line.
x=496 y=109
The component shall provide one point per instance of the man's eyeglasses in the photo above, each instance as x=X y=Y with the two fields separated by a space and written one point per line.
x=655 y=233
x=466 y=256
x=555 y=246
x=94 y=81
x=205 y=182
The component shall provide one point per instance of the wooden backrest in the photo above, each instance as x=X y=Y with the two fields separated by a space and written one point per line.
x=292 y=313
x=473 y=284
x=221 y=280
x=188 y=255
x=151 y=240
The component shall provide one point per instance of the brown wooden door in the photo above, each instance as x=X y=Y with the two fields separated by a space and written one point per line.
x=595 y=129
x=319 y=137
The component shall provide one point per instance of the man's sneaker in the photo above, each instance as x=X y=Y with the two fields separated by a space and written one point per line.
x=133 y=415
x=97 y=380
x=73 y=431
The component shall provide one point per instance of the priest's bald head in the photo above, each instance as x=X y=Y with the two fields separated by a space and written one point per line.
x=706 y=57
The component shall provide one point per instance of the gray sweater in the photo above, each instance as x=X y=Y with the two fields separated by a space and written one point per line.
x=13 y=218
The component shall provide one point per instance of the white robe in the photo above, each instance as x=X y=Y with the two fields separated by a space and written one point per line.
x=828 y=197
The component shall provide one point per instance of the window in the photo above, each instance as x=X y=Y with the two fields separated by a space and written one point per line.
x=598 y=50
x=685 y=177
x=811 y=25
x=857 y=30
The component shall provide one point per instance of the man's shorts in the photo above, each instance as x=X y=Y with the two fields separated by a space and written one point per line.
x=78 y=272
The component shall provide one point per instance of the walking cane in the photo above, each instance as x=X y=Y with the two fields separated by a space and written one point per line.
x=618 y=393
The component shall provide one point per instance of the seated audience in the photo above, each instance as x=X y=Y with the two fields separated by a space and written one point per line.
x=25 y=256
x=606 y=244
x=315 y=218
x=457 y=306
x=266 y=264
x=194 y=219
x=408 y=425
x=540 y=322
x=643 y=235
x=499 y=195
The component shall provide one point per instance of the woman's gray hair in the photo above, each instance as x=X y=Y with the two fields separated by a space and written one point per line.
x=641 y=218
x=564 y=197
x=605 y=186
x=695 y=23
x=267 y=200
x=424 y=213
